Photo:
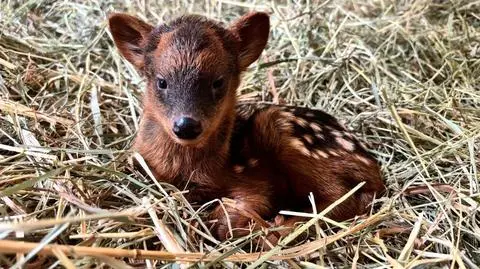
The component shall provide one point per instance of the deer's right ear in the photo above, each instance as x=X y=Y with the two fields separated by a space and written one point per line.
x=130 y=35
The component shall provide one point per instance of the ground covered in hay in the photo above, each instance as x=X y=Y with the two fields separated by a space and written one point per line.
x=404 y=75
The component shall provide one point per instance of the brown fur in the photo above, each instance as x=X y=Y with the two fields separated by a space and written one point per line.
x=286 y=175
x=265 y=157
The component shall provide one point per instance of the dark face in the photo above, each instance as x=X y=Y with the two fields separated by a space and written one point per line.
x=192 y=66
x=192 y=77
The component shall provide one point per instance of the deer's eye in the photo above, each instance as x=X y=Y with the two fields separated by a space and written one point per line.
x=217 y=84
x=161 y=83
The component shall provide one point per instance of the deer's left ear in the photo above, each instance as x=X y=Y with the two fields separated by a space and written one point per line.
x=252 y=30
x=130 y=35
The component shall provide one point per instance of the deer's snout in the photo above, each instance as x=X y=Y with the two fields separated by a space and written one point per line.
x=187 y=128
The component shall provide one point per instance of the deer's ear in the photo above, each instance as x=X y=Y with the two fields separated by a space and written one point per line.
x=130 y=35
x=252 y=30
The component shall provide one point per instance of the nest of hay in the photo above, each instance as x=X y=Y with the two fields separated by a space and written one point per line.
x=404 y=75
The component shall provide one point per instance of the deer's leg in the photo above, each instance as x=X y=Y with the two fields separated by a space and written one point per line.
x=238 y=217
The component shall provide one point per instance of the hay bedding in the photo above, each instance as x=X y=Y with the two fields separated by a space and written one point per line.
x=405 y=75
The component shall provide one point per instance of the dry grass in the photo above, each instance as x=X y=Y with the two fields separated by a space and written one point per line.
x=405 y=75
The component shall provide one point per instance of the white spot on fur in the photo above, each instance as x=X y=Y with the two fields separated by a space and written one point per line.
x=336 y=133
x=315 y=127
x=347 y=145
x=283 y=124
x=333 y=153
x=238 y=169
x=301 y=122
x=287 y=115
x=308 y=138
x=321 y=153
x=363 y=159
x=252 y=162
x=298 y=145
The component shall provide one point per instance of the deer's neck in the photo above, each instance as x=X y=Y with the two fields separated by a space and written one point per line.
x=171 y=162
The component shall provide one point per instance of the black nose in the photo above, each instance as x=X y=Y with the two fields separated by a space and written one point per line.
x=187 y=128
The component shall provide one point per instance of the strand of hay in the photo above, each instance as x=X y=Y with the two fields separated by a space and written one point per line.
x=14 y=247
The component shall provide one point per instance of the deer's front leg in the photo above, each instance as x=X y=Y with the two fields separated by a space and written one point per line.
x=239 y=216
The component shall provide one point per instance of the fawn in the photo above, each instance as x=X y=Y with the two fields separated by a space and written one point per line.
x=193 y=133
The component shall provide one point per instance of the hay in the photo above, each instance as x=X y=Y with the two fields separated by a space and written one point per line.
x=404 y=75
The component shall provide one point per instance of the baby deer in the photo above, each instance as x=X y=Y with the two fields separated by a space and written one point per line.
x=193 y=134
